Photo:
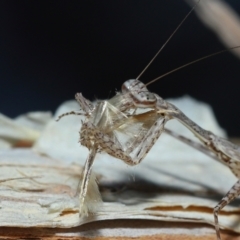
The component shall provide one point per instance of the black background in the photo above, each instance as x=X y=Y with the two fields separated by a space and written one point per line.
x=52 y=49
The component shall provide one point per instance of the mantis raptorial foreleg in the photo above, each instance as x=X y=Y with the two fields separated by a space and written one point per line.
x=105 y=142
x=103 y=122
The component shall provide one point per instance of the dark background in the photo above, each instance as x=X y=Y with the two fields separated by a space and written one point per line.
x=52 y=49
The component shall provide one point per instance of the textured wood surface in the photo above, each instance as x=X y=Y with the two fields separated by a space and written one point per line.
x=121 y=230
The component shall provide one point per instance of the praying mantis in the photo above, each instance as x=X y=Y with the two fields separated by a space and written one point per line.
x=128 y=125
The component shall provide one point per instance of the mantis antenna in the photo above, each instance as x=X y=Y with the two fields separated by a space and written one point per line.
x=167 y=41
x=190 y=63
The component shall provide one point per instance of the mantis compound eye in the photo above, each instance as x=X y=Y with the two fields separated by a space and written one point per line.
x=144 y=99
x=139 y=94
